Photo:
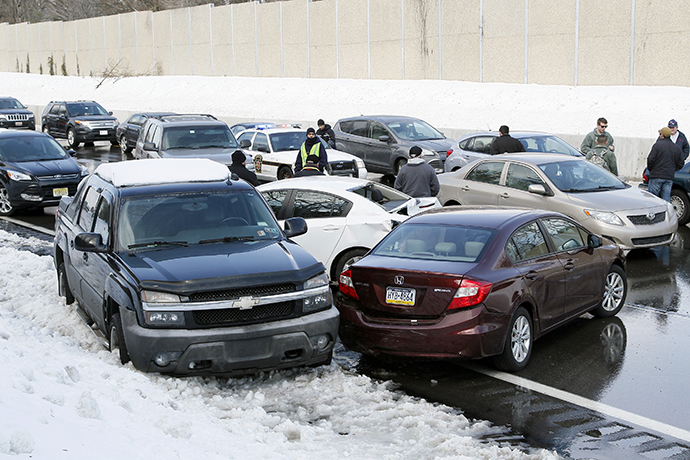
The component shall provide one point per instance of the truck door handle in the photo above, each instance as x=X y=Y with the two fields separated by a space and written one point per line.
x=465 y=188
x=86 y=256
x=331 y=228
x=531 y=275
x=504 y=195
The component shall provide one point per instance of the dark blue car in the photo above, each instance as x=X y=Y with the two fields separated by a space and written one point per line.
x=35 y=171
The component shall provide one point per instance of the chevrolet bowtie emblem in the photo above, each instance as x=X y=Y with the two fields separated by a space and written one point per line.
x=245 y=303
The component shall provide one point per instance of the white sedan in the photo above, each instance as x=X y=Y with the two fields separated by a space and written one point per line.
x=275 y=151
x=346 y=217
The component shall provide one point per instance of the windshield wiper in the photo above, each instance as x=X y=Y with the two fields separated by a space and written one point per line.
x=228 y=239
x=212 y=146
x=158 y=243
x=182 y=147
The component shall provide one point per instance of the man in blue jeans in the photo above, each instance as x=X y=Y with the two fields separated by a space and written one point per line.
x=663 y=161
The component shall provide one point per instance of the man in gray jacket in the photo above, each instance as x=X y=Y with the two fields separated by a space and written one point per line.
x=417 y=178
x=590 y=140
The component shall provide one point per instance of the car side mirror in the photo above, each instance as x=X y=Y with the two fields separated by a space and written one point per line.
x=384 y=138
x=537 y=189
x=149 y=146
x=295 y=226
x=72 y=152
x=594 y=241
x=263 y=148
x=89 y=242
x=110 y=113
x=245 y=143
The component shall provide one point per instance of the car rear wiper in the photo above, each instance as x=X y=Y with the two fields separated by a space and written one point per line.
x=158 y=243
x=228 y=239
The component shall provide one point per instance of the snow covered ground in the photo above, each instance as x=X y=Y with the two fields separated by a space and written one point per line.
x=63 y=396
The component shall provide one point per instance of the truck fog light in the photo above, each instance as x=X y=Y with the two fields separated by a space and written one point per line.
x=165 y=318
x=31 y=197
x=162 y=359
x=322 y=341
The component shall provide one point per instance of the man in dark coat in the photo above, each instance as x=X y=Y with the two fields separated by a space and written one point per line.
x=312 y=146
x=679 y=138
x=239 y=167
x=326 y=133
x=663 y=161
x=417 y=178
x=311 y=167
x=505 y=143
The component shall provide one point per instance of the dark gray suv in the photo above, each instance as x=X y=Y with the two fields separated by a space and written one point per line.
x=79 y=121
x=384 y=141
x=14 y=114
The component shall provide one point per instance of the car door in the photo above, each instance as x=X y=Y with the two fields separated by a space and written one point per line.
x=584 y=270
x=59 y=123
x=542 y=272
x=481 y=185
x=380 y=153
x=356 y=139
x=79 y=260
x=515 y=193
x=132 y=129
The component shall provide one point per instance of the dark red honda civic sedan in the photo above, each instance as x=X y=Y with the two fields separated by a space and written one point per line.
x=471 y=282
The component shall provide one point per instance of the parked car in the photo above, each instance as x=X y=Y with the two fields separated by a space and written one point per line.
x=384 y=142
x=35 y=171
x=128 y=131
x=346 y=217
x=476 y=282
x=590 y=195
x=679 y=193
x=476 y=146
x=188 y=136
x=79 y=121
x=185 y=271
x=276 y=149
x=14 y=114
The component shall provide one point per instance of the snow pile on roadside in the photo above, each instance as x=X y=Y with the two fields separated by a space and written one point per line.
x=62 y=394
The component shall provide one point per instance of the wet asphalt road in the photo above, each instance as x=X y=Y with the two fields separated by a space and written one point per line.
x=611 y=388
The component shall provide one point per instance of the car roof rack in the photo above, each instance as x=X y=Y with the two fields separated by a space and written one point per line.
x=188 y=116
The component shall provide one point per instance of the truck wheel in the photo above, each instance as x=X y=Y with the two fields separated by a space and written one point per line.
x=681 y=203
x=399 y=164
x=72 y=141
x=6 y=208
x=117 y=338
x=284 y=173
x=63 y=285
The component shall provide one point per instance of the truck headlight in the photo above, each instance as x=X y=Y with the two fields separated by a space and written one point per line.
x=18 y=176
x=164 y=318
x=320 y=296
x=162 y=297
x=605 y=217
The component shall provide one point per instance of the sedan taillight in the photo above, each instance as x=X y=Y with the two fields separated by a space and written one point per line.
x=346 y=286
x=449 y=152
x=469 y=294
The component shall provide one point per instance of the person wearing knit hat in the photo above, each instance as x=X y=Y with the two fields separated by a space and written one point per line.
x=325 y=132
x=663 y=161
x=239 y=167
x=417 y=178
x=311 y=146
x=679 y=138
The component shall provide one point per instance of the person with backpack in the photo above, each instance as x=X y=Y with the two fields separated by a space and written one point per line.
x=602 y=156
x=590 y=140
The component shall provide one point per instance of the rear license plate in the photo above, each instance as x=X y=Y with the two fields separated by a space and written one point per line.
x=60 y=191
x=400 y=296
x=103 y=132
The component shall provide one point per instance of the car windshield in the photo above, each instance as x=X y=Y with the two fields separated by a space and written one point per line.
x=414 y=130
x=436 y=242
x=283 y=142
x=386 y=197
x=30 y=148
x=10 y=104
x=85 y=109
x=198 y=137
x=551 y=144
x=182 y=219
x=580 y=177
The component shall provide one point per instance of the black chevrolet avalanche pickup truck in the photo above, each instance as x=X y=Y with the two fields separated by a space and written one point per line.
x=184 y=270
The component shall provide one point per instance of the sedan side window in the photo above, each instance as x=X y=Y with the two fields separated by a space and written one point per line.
x=311 y=205
x=480 y=144
x=275 y=199
x=489 y=172
x=521 y=177
x=88 y=208
x=360 y=128
x=260 y=143
x=528 y=242
x=247 y=136
x=565 y=235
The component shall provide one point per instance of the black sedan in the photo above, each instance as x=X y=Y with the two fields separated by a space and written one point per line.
x=472 y=282
x=35 y=171
x=128 y=131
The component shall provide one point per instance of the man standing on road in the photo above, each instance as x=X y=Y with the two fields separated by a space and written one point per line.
x=679 y=138
x=505 y=143
x=590 y=140
x=663 y=161
x=326 y=133
x=239 y=167
x=417 y=178
x=312 y=146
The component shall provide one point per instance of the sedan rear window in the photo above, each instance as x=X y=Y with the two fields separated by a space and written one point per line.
x=436 y=242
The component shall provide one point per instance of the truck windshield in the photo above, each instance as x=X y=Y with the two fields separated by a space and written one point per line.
x=183 y=219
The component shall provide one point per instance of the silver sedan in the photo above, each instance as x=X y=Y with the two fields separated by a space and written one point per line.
x=595 y=198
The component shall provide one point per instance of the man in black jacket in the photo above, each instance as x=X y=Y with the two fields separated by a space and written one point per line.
x=238 y=166
x=505 y=143
x=679 y=138
x=663 y=161
x=326 y=133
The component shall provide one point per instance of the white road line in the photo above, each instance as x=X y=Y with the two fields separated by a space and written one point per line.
x=36 y=228
x=639 y=420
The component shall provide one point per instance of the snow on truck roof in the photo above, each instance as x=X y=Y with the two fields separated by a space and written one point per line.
x=162 y=171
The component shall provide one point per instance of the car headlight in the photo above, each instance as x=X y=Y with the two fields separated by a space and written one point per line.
x=84 y=124
x=164 y=318
x=31 y=116
x=428 y=153
x=320 y=295
x=3 y=117
x=83 y=171
x=162 y=297
x=359 y=163
x=18 y=176
x=605 y=217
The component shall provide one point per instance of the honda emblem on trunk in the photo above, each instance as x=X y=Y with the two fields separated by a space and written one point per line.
x=398 y=279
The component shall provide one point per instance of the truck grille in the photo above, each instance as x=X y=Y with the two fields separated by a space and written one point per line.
x=645 y=220
x=18 y=117
x=229 y=294
x=230 y=316
x=343 y=168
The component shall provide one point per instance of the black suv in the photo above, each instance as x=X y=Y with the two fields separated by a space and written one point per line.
x=14 y=114
x=79 y=121
x=188 y=136
x=184 y=269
